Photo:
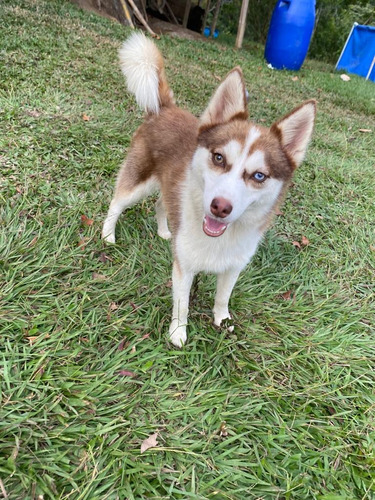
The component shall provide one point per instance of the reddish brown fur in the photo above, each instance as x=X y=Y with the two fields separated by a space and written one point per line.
x=278 y=162
x=154 y=153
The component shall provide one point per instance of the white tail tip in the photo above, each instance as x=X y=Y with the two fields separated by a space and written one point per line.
x=140 y=62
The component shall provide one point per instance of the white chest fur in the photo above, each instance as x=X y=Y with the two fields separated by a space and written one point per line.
x=197 y=252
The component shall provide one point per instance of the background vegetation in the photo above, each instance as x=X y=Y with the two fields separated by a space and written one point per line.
x=283 y=407
x=334 y=20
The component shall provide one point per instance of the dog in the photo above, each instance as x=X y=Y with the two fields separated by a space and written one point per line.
x=220 y=177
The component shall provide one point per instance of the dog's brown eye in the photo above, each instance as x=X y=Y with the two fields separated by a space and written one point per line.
x=218 y=159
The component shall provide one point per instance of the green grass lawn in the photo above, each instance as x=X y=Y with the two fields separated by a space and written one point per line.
x=283 y=407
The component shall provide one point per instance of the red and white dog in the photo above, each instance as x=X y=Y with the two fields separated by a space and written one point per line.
x=220 y=176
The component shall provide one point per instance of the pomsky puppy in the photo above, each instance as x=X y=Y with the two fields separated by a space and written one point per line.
x=220 y=176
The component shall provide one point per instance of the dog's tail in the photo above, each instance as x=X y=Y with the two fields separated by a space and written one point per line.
x=143 y=67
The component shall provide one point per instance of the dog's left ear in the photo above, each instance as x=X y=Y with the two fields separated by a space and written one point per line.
x=295 y=129
x=228 y=102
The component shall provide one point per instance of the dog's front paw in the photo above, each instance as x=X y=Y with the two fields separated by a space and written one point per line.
x=224 y=320
x=110 y=239
x=108 y=235
x=165 y=234
x=177 y=334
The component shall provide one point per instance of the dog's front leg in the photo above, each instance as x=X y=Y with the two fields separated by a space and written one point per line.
x=225 y=284
x=182 y=281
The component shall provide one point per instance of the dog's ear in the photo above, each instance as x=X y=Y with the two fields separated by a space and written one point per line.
x=228 y=102
x=295 y=129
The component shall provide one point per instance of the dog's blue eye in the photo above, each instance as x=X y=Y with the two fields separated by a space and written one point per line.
x=259 y=177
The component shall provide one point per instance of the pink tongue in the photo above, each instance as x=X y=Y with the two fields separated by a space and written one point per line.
x=213 y=227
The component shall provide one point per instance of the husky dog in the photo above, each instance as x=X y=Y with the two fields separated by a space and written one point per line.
x=220 y=176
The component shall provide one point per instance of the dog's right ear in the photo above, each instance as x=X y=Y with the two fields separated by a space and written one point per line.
x=228 y=102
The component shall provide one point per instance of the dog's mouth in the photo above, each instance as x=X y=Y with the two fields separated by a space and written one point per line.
x=213 y=227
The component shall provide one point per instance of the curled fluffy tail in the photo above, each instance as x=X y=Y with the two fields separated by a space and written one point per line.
x=143 y=67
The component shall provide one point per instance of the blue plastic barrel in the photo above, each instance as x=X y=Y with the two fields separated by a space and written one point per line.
x=289 y=34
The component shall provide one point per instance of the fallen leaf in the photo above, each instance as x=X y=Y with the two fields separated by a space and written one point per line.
x=287 y=295
x=223 y=430
x=100 y=277
x=34 y=338
x=33 y=241
x=38 y=374
x=295 y=78
x=34 y=113
x=122 y=344
x=365 y=130
x=86 y=221
x=82 y=243
x=126 y=373
x=112 y=307
x=150 y=442
x=296 y=244
x=345 y=78
x=85 y=118
x=305 y=242
x=104 y=257
x=278 y=212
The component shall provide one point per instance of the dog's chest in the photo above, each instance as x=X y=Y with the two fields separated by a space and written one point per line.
x=198 y=252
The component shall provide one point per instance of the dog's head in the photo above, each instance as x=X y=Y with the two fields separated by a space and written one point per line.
x=241 y=165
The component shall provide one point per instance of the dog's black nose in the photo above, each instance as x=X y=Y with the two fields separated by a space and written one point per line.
x=221 y=207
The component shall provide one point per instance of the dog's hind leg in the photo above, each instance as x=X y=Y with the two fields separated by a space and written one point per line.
x=225 y=284
x=161 y=218
x=124 y=198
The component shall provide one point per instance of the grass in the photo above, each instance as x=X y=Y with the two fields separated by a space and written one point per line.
x=283 y=408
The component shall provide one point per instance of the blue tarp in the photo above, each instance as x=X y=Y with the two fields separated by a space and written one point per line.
x=359 y=52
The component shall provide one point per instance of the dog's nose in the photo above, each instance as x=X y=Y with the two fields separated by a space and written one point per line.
x=221 y=207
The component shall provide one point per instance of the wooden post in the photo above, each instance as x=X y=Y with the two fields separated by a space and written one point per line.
x=142 y=19
x=170 y=12
x=242 y=24
x=206 y=14
x=127 y=13
x=215 y=18
x=186 y=14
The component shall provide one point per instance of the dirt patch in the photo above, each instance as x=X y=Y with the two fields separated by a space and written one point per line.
x=158 y=26
x=174 y=30
x=95 y=6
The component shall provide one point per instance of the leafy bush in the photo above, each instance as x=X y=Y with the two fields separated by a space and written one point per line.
x=258 y=18
x=334 y=20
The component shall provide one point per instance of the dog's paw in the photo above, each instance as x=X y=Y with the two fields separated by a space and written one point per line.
x=177 y=334
x=224 y=320
x=109 y=238
x=165 y=234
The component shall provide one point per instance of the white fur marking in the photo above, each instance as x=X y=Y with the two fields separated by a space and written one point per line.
x=122 y=201
x=139 y=63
